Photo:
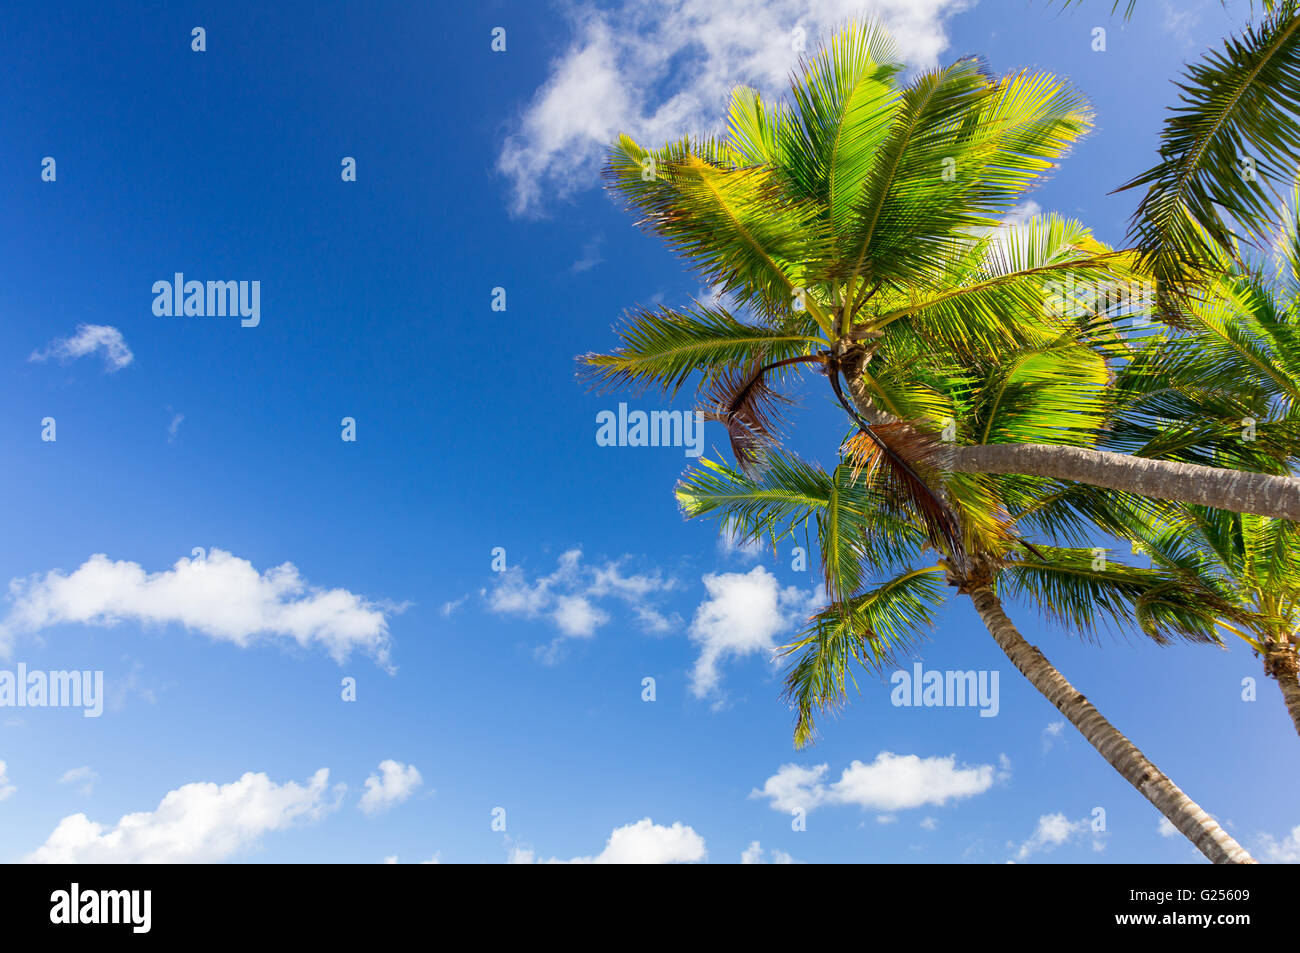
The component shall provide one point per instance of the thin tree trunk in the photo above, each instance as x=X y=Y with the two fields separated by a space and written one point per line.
x=1237 y=491
x=1210 y=839
x=1283 y=664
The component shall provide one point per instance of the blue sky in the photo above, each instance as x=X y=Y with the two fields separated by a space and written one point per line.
x=475 y=689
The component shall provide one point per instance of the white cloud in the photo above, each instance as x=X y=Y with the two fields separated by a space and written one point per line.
x=394 y=784
x=435 y=859
x=644 y=842
x=84 y=777
x=890 y=783
x=742 y=616
x=6 y=786
x=577 y=617
x=449 y=608
x=569 y=598
x=753 y=854
x=1166 y=828
x=663 y=70
x=1052 y=734
x=1022 y=213
x=731 y=546
x=174 y=427
x=89 y=339
x=1180 y=23
x=590 y=256
x=222 y=596
x=196 y=823
x=794 y=788
x=1285 y=852
x=1052 y=831
x=930 y=823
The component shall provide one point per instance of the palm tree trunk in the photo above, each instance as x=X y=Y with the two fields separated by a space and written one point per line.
x=1238 y=491
x=1210 y=839
x=1283 y=664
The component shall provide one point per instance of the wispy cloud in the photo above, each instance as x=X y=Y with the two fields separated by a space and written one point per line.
x=1052 y=831
x=590 y=256
x=661 y=71
x=84 y=778
x=90 y=339
x=571 y=598
x=753 y=854
x=1285 y=851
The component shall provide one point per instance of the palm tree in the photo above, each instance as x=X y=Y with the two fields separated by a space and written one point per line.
x=1234 y=131
x=860 y=211
x=867 y=522
x=860 y=230
x=1250 y=562
x=1233 y=365
x=862 y=529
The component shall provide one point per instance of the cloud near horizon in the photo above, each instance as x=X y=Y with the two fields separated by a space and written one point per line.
x=644 y=842
x=196 y=823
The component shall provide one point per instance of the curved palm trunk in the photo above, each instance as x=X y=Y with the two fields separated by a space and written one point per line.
x=1235 y=490
x=1283 y=664
x=1210 y=839
x=1238 y=491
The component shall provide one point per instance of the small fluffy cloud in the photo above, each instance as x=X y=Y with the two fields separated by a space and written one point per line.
x=435 y=859
x=1166 y=828
x=394 y=783
x=571 y=596
x=196 y=823
x=1052 y=831
x=222 y=596
x=1286 y=851
x=644 y=842
x=891 y=783
x=577 y=617
x=90 y=339
x=742 y=616
x=84 y=778
x=1052 y=734
x=753 y=854
x=6 y=786
x=665 y=70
